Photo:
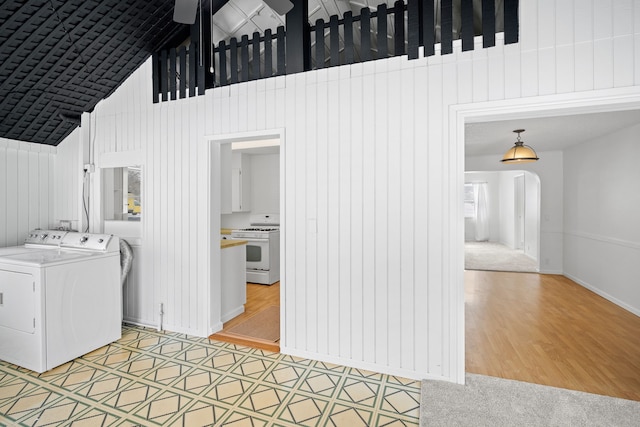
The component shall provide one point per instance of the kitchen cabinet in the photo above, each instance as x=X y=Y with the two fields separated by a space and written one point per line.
x=241 y=182
x=233 y=278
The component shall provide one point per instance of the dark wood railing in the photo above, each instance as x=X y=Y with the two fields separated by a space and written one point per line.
x=185 y=71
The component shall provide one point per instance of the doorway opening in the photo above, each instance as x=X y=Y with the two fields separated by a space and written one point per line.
x=544 y=349
x=246 y=183
x=502 y=221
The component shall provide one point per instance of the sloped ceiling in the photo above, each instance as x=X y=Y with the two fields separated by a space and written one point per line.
x=58 y=58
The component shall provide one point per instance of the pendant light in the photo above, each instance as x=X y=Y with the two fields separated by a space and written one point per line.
x=520 y=153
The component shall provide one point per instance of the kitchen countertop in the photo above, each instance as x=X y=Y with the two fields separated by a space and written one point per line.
x=227 y=243
x=225 y=231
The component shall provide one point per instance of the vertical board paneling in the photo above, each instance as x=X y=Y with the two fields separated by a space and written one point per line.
x=343 y=168
x=421 y=211
x=381 y=115
x=369 y=101
x=293 y=321
x=434 y=221
x=298 y=205
x=25 y=189
x=407 y=219
x=393 y=221
x=311 y=162
x=322 y=173
x=333 y=214
x=368 y=162
x=356 y=148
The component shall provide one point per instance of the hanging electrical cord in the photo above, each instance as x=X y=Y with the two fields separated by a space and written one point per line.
x=85 y=201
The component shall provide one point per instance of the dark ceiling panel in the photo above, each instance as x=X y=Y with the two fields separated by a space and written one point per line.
x=64 y=56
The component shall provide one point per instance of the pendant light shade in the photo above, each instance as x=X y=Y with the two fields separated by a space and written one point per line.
x=520 y=153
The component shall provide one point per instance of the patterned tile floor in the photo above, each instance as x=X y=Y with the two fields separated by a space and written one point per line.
x=149 y=378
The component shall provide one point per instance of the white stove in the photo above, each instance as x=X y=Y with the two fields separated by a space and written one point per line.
x=263 y=248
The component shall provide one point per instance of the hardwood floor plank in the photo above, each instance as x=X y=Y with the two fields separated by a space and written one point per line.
x=547 y=329
x=259 y=297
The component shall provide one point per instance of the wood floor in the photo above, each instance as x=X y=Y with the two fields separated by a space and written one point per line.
x=546 y=329
x=259 y=297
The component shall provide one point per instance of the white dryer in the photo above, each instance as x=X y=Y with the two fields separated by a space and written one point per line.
x=59 y=300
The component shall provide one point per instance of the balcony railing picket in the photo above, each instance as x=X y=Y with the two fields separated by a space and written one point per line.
x=177 y=72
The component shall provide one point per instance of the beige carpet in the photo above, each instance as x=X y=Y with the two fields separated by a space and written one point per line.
x=264 y=325
x=496 y=257
x=495 y=402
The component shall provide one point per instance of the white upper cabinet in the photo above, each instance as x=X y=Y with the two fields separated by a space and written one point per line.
x=241 y=182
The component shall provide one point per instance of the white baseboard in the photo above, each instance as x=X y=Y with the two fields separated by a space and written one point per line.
x=398 y=372
x=233 y=313
x=604 y=295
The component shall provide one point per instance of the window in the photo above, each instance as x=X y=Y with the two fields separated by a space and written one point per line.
x=122 y=193
x=469 y=201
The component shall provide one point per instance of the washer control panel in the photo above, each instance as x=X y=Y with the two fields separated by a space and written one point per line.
x=45 y=237
x=94 y=242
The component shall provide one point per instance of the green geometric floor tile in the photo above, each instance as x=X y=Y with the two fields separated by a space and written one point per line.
x=76 y=378
x=321 y=383
x=284 y=375
x=200 y=414
x=130 y=398
x=229 y=390
x=304 y=411
x=151 y=378
x=252 y=367
x=35 y=400
x=345 y=416
x=387 y=421
x=167 y=373
x=95 y=418
x=240 y=419
x=162 y=407
x=223 y=360
x=196 y=354
x=401 y=401
x=141 y=365
x=103 y=387
x=196 y=381
x=359 y=391
x=264 y=400
x=365 y=374
x=55 y=414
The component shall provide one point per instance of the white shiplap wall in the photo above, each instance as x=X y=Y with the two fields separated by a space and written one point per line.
x=373 y=187
x=26 y=189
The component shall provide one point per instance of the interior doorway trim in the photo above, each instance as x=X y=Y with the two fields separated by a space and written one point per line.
x=214 y=193
x=596 y=101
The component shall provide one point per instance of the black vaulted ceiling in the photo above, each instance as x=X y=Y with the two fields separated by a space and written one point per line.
x=58 y=58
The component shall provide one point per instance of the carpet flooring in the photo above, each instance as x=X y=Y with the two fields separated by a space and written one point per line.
x=495 y=402
x=496 y=257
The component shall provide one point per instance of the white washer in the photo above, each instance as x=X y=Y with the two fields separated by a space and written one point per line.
x=59 y=301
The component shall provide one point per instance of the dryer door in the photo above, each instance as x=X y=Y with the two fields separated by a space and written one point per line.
x=17 y=301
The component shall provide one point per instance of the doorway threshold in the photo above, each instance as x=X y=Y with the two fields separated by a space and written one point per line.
x=246 y=341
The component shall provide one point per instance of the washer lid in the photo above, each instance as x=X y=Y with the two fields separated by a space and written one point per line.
x=45 y=257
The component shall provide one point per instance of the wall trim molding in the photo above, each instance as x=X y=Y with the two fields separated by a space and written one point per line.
x=374 y=367
x=604 y=239
x=603 y=294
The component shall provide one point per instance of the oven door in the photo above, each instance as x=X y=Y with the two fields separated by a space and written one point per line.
x=257 y=254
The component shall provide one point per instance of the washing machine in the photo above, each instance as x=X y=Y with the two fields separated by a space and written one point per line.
x=60 y=298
